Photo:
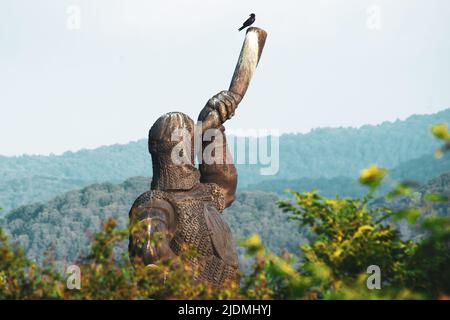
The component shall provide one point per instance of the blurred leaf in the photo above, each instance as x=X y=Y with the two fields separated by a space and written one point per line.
x=439 y=153
x=410 y=214
x=436 y=197
x=440 y=131
x=362 y=229
x=253 y=244
x=372 y=176
x=401 y=189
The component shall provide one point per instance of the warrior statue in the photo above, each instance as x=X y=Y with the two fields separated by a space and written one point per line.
x=185 y=203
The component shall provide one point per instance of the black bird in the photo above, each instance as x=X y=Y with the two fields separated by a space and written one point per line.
x=249 y=22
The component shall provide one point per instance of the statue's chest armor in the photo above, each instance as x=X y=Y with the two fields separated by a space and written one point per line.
x=191 y=228
x=200 y=224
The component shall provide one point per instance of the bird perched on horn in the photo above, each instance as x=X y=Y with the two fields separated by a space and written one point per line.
x=248 y=22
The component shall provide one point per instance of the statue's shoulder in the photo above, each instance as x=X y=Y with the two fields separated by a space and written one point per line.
x=153 y=199
x=153 y=203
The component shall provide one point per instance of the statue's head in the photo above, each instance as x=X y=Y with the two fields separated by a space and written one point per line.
x=171 y=145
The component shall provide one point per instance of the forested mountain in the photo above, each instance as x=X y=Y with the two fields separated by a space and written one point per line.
x=419 y=170
x=322 y=154
x=18 y=192
x=422 y=169
x=328 y=187
x=344 y=152
x=63 y=225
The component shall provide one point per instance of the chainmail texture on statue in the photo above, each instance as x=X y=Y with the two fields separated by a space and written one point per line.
x=168 y=175
x=199 y=225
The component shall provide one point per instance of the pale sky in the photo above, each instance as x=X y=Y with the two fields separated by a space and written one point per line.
x=326 y=63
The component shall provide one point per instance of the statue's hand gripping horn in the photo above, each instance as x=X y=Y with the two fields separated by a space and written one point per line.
x=251 y=51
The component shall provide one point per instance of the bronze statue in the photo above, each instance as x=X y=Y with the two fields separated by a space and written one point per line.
x=185 y=204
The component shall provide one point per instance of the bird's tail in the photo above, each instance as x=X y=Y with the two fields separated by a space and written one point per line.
x=241 y=28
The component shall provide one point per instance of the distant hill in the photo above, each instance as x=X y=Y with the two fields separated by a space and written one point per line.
x=328 y=187
x=422 y=169
x=63 y=225
x=419 y=170
x=22 y=191
x=327 y=153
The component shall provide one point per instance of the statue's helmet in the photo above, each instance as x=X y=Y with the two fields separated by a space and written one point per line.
x=171 y=145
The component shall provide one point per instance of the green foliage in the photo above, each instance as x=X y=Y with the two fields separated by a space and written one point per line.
x=345 y=237
x=348 y=235
x=432 y=259
x=62 y=227
x=410 y=214
x=21 y=279
x=103 y=275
